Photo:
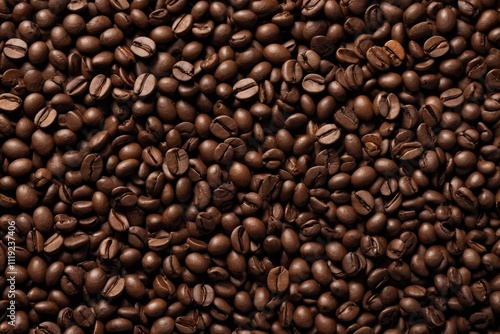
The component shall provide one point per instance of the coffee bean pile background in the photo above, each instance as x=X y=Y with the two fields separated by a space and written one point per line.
x=314 y=166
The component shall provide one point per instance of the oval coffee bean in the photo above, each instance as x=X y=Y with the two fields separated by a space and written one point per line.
x=245 y=89
x=15 y=48
x=278 y=279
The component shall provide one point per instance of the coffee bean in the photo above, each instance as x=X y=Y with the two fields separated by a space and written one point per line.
x=92 y=167
x=347 y=56
x=15 y=48
x=378 y=58
x=84 y=316
x=292 y=72
x=145 y=85
x=143 y=47
x=395 y=52
x=347 y=311
x=177 y=161
x=353 y=263
x=117 y=221
x=328 y=134
x=346 y=118
x=492 y=80
x=183 y=71
x=362 y=202
x=278 y=279
x=465 y=198
x=436 y=46
x=276 y=54
x=9 y=102
x=223 y=127
x=119 y=325
x=118 y=5
x=452 y=97
x=386 y=105
x=45 y=117
x=313 y=83
x=245 y=89
x=100 y=87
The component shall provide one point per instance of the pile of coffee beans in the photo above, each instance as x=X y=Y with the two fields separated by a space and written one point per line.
x=250 y=166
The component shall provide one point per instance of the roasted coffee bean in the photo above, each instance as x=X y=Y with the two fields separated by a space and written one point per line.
x=328 y=134
x=386 y=105
x=436 y=46
x=378 y=58
x=183 y=71
x=15 y=48
x=177 y=161
x=362 y=202
x=145 y=85
x=353 y=263
x=118 y=221
x=92 y=167
x=245 y=89
x=292 y=72
x=100 y=87
x=452 y=97
x=313 y=83
x=278 y=279
x=395 y=51
x=223 y=127
x=76 y=86
x=347 y=119
x=10 y=102
x=347 y=311
x=45 y=117
x=143 y=47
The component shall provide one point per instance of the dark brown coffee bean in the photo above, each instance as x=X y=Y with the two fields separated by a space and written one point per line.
x=353 y=263
x=348 y=311
x=313 y=83
x=9 y=102
x=145 y=85
x=492 y=80
x=100 y=87
x=277 y=135
x=292 y=72
x=408 y=151
x=362 y=202
x=118 y=221
x=245 y=89
x=465 y=199
x=347 y=119
x=276 y=54
x=328 y=134
x=143 y=47
x=240 y=240
x=436 y=46
x=223 y=127
x=45 y=117
x=92 y=167
x=452 y=97
x=278 y=279
x=386 y=105
x=118 y=325
x=378 y=58
x=84 y=316
x=177 y=161
x=114 y=287
x=396 y=52
x=15 y=48
x=183 y=71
